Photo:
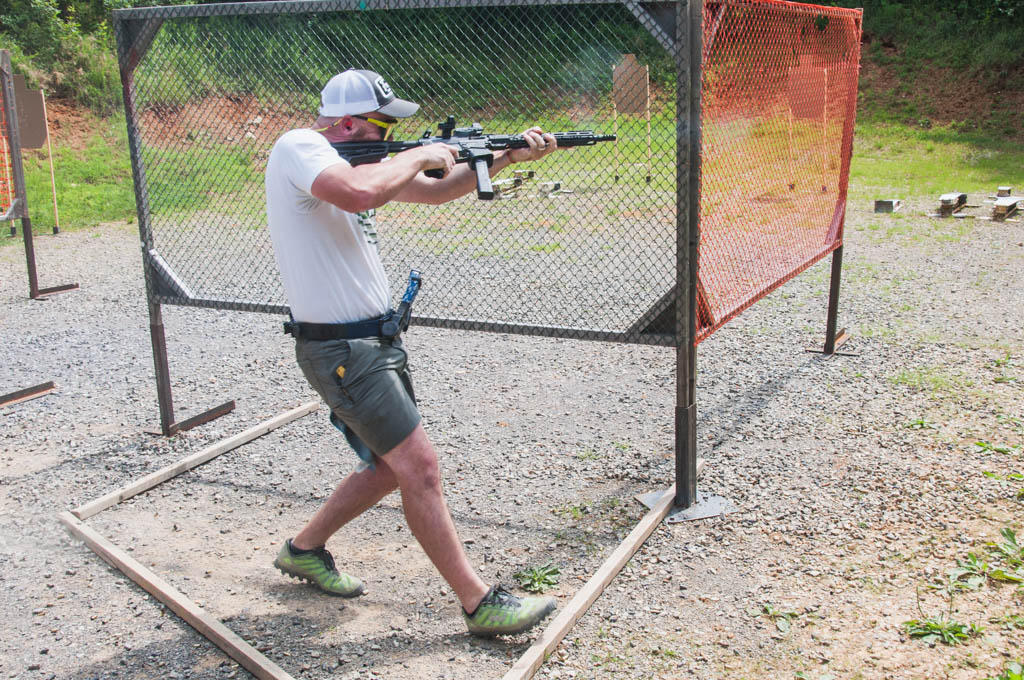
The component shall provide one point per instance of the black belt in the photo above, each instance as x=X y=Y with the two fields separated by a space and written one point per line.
x=381 y=327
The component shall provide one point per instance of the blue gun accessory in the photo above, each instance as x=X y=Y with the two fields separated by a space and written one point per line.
x=399 y=321
x=415 y=281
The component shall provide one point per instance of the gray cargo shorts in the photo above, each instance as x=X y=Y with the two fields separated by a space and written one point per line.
x=366 y=384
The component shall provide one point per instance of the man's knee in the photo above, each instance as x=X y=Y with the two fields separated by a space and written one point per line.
x=414 y=461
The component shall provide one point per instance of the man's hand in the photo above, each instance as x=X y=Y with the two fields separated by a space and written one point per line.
x=540 y=145
x=435 y=157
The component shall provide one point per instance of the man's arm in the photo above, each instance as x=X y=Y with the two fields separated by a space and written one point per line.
x=361 y=188
x=462 y=179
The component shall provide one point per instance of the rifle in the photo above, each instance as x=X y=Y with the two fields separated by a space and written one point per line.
x=474 y=147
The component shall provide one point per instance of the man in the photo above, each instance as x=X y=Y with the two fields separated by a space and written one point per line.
x=321 y=215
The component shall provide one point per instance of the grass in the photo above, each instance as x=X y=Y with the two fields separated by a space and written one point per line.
x=930 y=380
x=983 y=446
x=941 y=629
x=895 y=161
x=571 y=511
x=94 y=183
x=1013 y=671
x=782 y=619
x=1001 y=563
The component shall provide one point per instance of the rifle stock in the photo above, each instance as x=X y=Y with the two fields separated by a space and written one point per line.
x=474 y=147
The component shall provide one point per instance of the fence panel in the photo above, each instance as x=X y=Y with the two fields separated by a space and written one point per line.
x=571 y=251
x=779 y=97
x=6 y=169
x=596 y=257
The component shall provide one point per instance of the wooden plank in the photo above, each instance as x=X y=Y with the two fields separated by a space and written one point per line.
x=205 y=624
x=196 y=459
x=534 y=656
x=27 y=393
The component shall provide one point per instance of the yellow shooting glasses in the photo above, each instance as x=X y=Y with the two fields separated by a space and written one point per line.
x=387 y=126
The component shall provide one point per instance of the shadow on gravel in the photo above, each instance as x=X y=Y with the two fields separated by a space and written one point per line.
x=752 y=401
x=173 y=657
x=297 y=644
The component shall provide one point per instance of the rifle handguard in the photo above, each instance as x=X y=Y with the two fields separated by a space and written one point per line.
x=474 y=147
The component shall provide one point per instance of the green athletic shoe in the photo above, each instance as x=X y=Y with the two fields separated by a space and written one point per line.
x=317 y=567
x=502 y=613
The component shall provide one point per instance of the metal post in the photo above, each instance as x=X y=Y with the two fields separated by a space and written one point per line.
x=686 y=429
x=133 y=40
x=834 y=339
x=687 y=240
x=19 y=205
x=688 y=503
x=18 y=172
x=831 y=341
x=163 y=373
x=30 y=258
x=687 y=236
x=647 y=110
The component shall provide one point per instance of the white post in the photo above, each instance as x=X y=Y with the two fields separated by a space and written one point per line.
x=53 y=181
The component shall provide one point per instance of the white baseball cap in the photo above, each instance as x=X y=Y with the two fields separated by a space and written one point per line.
x=355 y=92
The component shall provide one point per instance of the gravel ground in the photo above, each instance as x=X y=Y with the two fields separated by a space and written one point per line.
x=857 y=479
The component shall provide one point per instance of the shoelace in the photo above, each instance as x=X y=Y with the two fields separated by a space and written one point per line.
x=327 y=557
x=502 y=598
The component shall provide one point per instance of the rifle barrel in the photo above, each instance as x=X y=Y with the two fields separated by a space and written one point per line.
x=369 y=152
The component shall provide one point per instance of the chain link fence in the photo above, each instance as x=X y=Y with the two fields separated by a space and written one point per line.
x=582 y=245
x=564 y=249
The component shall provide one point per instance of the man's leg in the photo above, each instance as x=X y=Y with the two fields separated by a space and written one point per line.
x=487 y=611
x=415 y=466
x=356 y=494
x=305 y=557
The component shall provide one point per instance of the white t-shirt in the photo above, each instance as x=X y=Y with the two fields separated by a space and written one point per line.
x=328 y=258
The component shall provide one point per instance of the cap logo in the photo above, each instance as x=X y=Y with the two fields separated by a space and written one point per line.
x=385 y=89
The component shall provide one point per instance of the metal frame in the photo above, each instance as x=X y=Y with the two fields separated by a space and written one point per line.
x=675 y=25
x=19 y=206
x=134 y=31
x=670 y=322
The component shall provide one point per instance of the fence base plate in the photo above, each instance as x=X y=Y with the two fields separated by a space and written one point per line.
x=706 y=506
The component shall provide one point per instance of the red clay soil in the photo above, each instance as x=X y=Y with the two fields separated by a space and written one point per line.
x=217 y=119
x=70 y=125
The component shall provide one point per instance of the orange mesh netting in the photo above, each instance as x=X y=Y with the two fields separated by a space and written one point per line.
x=6 y=175
x=779 y=98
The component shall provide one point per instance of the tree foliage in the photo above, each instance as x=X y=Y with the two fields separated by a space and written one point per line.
x=66 y=46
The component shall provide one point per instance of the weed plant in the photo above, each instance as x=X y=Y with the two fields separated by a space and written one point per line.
x=539 y=578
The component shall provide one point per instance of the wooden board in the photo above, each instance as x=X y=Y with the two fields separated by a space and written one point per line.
x=31 y=120
x=205 y=624
x=196 y=459
x=27 y=393
x=534 y=656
